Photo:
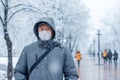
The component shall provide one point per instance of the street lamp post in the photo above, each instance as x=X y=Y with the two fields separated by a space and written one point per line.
x=98 y=47
x=99 y=34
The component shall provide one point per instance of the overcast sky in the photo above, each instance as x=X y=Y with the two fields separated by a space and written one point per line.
x=98 y=9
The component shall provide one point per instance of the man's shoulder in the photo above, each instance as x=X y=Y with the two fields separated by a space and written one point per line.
x=59 y=45
x=32 y=45
x=63 y=47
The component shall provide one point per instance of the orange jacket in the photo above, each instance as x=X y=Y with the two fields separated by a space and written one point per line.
x=78 y=56
x=104 y=54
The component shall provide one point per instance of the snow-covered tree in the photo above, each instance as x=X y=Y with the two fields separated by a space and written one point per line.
x=8 y=11
x=112 y=20
x=69 y=19
x=18 y=18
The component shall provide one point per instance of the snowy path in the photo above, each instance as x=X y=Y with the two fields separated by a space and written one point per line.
x=89 y=70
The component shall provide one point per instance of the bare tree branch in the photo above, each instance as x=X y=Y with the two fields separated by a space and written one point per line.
x=2 y=20
x=34 y=7
x=16 y=6
x=2 y=3
x=29 y=8
x=16 y=13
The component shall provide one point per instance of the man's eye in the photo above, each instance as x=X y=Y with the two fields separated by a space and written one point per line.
x=42 y=29
x=47 y=29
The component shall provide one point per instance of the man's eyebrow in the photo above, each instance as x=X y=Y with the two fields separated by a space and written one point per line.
x=49 y=28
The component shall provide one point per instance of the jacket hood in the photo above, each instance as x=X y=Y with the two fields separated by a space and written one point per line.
x=47 y=20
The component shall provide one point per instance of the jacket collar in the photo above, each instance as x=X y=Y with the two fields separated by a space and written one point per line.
x=45 y=44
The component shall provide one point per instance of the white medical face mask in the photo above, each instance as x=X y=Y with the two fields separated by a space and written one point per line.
x=45 y=35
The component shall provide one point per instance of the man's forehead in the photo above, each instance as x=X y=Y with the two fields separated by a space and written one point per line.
x=44 y=25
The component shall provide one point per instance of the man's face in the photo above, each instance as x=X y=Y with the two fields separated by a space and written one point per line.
x=45 y=32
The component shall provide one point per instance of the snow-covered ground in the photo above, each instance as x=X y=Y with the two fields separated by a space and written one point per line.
x=4 y=60
x=87 y=63
x=3 y=67
x=2 y=75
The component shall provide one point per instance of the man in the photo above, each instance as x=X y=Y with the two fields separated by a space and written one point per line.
x=59 y=61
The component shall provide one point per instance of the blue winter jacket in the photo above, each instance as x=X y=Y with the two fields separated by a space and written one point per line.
x=56 y=65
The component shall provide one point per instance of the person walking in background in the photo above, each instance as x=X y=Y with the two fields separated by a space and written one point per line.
x=78 y=57
x=115 y=57
x=109 y=57
x=104 y=56
x=94 y=55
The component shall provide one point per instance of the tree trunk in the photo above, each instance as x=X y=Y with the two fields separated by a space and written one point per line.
x=10 y=67
x=8 y=42
x=9 y=50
